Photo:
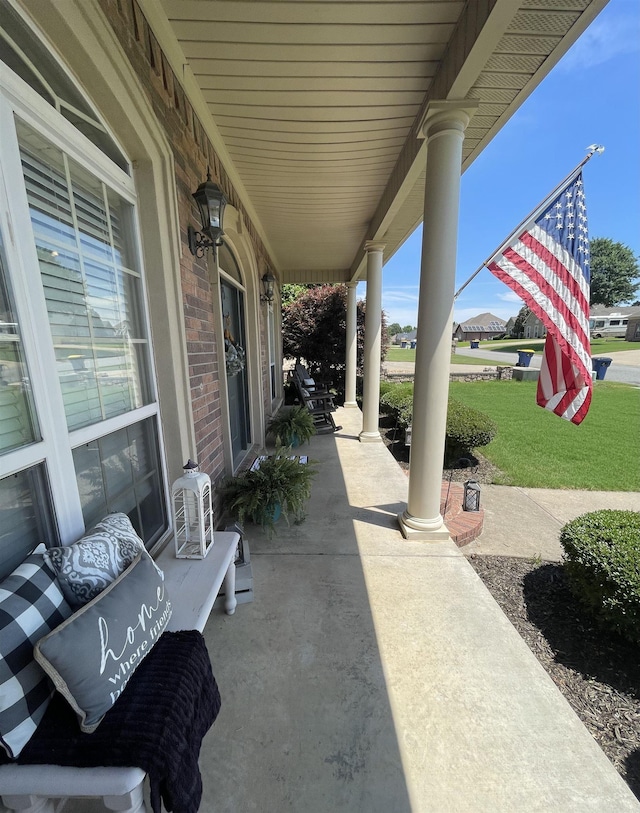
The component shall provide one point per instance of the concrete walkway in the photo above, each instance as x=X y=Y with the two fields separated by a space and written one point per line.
x=546 y=510
x=371 y=674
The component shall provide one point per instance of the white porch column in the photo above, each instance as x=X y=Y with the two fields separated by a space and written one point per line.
x=444 y=127
x=372 y=345
x=351 y=361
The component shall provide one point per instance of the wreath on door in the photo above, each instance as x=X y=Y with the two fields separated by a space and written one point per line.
x=235 y=356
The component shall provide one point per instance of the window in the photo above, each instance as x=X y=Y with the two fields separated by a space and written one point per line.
x=17 y=417
x=83 y=235
x=26 y=517
x=79 y=420
x=24 y=53
x=121 y=472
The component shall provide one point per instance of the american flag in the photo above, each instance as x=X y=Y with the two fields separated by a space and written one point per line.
x=547 y=264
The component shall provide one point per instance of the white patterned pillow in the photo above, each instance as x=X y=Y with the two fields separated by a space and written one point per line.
x=85 y=568
x=119 y=525
x=31 y=605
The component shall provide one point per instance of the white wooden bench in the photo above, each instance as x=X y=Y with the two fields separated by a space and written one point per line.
x=193 y=585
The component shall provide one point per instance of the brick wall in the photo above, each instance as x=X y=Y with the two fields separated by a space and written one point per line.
x=193 y=154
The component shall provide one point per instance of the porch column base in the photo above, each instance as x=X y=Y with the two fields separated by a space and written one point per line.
x=427 y=530
x=370 y=437
x=350 y=405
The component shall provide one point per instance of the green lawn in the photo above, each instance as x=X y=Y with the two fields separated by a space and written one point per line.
x=537 y=449
x=398 y=354
x=599 y=347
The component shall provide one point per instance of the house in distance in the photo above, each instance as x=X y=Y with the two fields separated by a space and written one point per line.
x=482 y=326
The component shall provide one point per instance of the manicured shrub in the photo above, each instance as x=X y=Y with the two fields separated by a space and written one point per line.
x=398 y=401
x=467 y=428
x=602 y=562
x=385 y=387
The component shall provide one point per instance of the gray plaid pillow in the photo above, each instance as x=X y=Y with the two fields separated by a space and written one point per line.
x=85 y=568
x=31 y=605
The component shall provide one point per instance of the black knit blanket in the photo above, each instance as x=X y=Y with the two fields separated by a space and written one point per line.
x=157 y=724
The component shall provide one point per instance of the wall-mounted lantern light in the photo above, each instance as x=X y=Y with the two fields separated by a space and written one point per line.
x=268 y=283
x=471 y=500
x=211 y=202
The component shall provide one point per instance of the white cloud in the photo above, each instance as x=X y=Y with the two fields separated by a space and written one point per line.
x=400 y=296
x=605 y=39
x=511 y=296
x=400 y=304
x=463 y=314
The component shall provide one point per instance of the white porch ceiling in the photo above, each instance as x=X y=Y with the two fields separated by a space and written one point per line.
x=314 y=105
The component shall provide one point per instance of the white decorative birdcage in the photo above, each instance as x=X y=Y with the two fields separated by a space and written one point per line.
x=192 y=513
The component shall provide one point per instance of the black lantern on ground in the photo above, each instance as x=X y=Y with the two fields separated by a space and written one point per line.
x=268 y=283
x=471 y=500
x=211 y=202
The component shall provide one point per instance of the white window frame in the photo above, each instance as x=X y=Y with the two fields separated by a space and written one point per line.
x=57 y=444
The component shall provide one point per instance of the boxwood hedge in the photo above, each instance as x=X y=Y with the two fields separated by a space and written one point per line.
x=602 y=562
x=467 y=428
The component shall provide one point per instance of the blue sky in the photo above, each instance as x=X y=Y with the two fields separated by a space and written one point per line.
x=591 y=96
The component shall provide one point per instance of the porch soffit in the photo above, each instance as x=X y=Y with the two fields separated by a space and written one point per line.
x=314 y=105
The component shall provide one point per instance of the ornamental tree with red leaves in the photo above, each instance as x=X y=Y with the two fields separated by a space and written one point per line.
x=314 y=328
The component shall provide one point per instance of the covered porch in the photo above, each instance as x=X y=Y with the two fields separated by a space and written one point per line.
x=372 y=673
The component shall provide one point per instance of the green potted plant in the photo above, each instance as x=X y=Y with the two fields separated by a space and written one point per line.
x=280 y=485
x=291 y=427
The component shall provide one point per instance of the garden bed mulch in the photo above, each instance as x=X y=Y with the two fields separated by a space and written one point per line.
x=597 y=672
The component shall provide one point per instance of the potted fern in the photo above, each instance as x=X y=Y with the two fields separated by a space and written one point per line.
x=280 y=485
x=291 y=427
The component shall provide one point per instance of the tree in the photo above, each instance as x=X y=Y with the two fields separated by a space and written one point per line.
x=614 y=272
x=407 y=329
x=314 y=328
x=394 y=328
x=518 y=327
x=291 y=291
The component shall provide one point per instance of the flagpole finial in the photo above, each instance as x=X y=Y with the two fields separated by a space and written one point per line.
x=595 y=148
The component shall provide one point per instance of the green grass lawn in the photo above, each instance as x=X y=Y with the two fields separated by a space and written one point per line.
x=599 y=347
x=537 y=449
x=398 y=354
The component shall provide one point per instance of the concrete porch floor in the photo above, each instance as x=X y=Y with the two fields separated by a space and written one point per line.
x=374 y=674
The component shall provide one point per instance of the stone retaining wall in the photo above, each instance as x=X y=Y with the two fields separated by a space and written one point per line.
x=500 y=374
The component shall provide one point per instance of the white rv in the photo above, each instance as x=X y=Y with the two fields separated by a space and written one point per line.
x=614 y=325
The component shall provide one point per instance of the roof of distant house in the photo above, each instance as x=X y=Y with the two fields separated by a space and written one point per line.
x=483 y=322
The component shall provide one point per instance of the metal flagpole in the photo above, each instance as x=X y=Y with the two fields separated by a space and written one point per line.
x=594 y=148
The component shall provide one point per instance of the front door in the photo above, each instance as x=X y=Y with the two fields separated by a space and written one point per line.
x=236 y=368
